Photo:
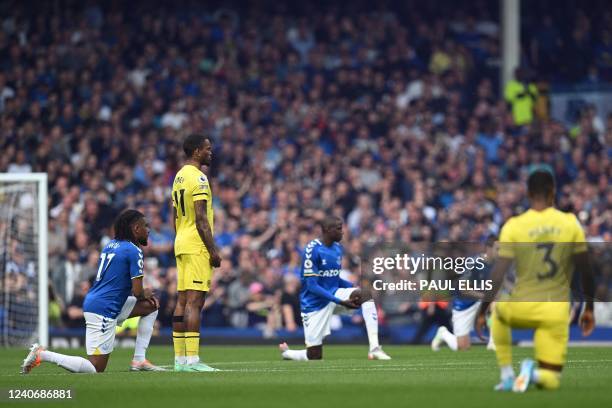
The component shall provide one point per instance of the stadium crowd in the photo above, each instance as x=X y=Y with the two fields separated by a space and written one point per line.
x=390 y=118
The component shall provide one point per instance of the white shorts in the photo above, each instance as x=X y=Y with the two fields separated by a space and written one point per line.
x=318 y=324
x=100 y=330
x=463 y=320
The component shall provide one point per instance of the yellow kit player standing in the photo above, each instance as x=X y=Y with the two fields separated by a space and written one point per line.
x=195 y=251
x=545 y=245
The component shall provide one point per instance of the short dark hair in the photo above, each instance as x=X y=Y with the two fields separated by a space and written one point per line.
x=329 y=221
x=540 y=183
x=123 y=224
x=193 y=142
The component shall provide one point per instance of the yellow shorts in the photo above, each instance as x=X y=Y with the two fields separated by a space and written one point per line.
x=194 y=272
x=550 y=321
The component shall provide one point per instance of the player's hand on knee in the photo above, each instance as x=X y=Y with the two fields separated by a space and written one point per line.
x=154 y=301
x=147 y=293
x=350 y=304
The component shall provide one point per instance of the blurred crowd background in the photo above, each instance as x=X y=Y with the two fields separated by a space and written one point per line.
x=388 y=114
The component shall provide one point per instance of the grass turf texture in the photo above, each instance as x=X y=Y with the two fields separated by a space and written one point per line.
x=256 y=377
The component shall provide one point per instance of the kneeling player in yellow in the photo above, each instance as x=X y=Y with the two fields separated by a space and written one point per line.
x=544 y=244
x=195 y=251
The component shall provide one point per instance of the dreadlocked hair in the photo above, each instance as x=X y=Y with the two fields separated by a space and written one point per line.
x=123 y=224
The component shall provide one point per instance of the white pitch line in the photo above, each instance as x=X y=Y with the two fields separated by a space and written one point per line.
x=293 y=369
x=317 y=367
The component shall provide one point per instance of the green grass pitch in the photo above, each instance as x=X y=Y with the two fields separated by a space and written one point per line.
x=254 y=376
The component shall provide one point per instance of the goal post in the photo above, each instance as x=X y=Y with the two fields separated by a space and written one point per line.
x=24 y=270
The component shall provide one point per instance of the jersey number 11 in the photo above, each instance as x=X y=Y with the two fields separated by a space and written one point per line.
x=182 y=200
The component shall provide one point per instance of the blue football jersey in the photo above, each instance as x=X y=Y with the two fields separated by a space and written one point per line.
x=324 y=264
x=120 y=262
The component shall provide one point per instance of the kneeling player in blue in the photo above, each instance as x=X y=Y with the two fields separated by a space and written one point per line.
x=464 y=313
x=463 y=317
x=324 y=293
x=109 y=303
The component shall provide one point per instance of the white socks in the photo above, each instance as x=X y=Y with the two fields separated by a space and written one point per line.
x=370 y=317
x=71 y=363
x=450 y=339
x=145 y=330
x=297 y=355
x=180 y=360
x=506 y=372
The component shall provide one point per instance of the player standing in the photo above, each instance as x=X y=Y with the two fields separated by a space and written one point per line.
x=195 y=251
x=543 y=242
x=323 y=293
x=108 y=303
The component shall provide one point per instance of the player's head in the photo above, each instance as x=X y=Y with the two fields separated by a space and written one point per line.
x=199 y=148
x=541 y=186
x=331 y=227
x=131 y=225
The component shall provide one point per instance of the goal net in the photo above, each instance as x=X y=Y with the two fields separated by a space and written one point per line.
x=23 y=259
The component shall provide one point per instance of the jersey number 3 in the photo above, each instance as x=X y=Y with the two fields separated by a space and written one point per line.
x=552 y=265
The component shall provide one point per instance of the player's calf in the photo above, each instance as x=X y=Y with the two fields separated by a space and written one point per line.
x=37 y=354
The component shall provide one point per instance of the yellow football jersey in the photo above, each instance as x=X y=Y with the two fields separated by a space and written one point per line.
x=190 y=185
x=542 y=244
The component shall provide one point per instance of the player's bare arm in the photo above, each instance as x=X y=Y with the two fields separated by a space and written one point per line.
x=583 y=266
x=173 y=218
x=143 y=294
x=205 y=232
x=500 y=269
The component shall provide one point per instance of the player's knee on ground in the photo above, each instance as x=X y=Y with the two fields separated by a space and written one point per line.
x=548 y=379
x=99 y=362
x=314 y=353
x=463 y=342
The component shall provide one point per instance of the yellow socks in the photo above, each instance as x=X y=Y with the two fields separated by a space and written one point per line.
x=192 y=345
x=547 y=379
x=178 y=338
x=502 y=337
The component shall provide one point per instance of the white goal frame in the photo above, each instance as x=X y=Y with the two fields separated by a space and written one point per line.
x=43 y=250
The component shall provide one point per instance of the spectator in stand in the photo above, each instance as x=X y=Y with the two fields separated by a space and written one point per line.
x=73 y=316
x=290 y=303
x=521 y=94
